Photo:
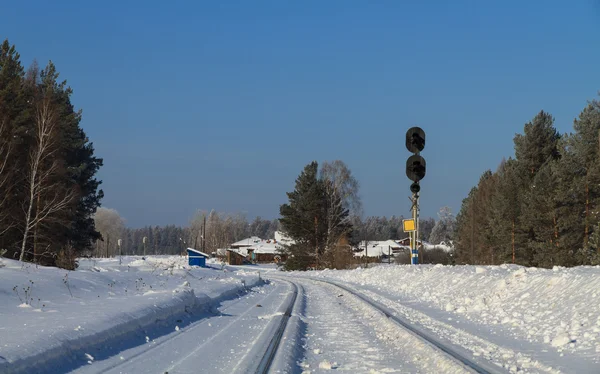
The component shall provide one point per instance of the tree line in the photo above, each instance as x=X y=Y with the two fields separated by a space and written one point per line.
x=207 y=231
x=222 y=229
x=540 y=208
x=48 y=189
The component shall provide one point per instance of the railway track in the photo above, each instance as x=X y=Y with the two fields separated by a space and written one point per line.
x=253 y=327
x=463 y=359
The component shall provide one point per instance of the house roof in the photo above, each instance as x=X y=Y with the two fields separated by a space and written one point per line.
x=247 y=242
x=377 y=248
x=266 y=247
x=198 y=252
x=240 y=251
x=380 y=243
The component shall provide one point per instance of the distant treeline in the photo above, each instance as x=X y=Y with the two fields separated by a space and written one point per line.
x=221 y=230
x=542 y=207
x=48 y=190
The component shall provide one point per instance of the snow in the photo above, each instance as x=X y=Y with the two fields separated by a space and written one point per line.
x=47 y=312
x=157 y=311
x=555 y=313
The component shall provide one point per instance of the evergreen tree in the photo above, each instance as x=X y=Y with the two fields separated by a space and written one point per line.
x=584 y=145
x=537 y=144
x=304 y=220
x=505 y=215
x=540 y=212
x=15 y=126
x=466 y=240
x=537 y=148
x=486 y=252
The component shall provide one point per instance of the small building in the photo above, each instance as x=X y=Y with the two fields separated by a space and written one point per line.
x=196 y=258
x=257 y=250
x=236 y=256
x=377 y=248
x=406 y=242
x=266 y=251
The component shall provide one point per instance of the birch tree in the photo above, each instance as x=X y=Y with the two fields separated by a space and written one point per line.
x=46 y=195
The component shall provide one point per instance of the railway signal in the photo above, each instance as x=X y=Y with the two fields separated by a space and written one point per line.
x=416 y=168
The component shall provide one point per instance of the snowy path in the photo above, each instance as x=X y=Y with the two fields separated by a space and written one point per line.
x=231 y=341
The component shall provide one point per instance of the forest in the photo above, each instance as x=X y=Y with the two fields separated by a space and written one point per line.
x=541 y=207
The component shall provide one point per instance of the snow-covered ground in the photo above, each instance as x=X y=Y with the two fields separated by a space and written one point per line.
x=158 y=313
x=538 y=320
x=53 y=320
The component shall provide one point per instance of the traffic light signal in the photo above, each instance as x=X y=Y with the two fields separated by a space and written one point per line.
x=415 y=168
x=415 y=188
x=415 y=139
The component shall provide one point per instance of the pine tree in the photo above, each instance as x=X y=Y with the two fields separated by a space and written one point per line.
x=483 y=214
x=541 y=212
x=584 y=145
x=466 y=239
x=505 y=215
x=15 y=125
x=537 y=147
x=537 y=144
x=304 y=220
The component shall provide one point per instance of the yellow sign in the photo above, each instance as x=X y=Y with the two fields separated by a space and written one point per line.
x=409 y=225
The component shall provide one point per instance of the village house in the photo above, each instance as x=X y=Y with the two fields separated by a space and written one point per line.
x=257 y=250
x=406 y=242
x=378 y=248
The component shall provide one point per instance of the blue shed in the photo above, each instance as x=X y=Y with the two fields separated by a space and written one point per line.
x=196 y=258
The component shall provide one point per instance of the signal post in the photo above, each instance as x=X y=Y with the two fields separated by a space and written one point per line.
x=415 y=171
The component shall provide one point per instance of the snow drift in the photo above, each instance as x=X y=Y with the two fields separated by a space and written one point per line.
x=557 y=307
x=53 y=317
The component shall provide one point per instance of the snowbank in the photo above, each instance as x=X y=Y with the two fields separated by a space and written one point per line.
x=559 y=308
x=51 y=316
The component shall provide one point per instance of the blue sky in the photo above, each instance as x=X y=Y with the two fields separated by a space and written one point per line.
x=220 y=104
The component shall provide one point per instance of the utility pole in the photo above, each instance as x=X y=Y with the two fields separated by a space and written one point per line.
x=120 y=253
x=204 y=236
x=144 y=242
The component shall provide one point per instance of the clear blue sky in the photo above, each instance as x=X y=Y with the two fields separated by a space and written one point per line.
x=220 y=104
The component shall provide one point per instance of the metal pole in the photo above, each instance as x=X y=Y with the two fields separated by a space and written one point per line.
x=414 y=257
x=120 y=253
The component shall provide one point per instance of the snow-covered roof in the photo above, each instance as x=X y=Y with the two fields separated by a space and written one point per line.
x=247 y=242
x=424 y=242
x=198 y=252
x=240 y=251
x=377 y=248
x=266 y=246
